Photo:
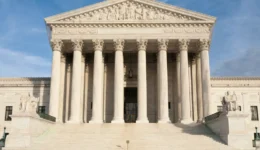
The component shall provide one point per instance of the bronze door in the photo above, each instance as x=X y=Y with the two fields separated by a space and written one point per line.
x=130 y=106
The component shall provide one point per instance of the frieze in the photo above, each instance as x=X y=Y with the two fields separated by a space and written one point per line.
x=187 y=30
x=76 y=31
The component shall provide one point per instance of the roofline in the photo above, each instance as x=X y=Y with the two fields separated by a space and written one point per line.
x=180 y=10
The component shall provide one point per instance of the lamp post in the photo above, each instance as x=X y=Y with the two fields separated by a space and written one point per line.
x=256 y=140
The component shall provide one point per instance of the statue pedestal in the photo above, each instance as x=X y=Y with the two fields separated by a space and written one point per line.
x=24 y=127
x=231 y=128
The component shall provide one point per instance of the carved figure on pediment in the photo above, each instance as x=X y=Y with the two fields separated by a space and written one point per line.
x=122 y=12
x=138 y=13
x=230 y=102
x=132 y=10
x=150 y=14
x=145 y=13
x=111 y=14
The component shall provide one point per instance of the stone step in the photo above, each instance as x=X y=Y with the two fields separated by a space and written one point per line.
x=141 y=137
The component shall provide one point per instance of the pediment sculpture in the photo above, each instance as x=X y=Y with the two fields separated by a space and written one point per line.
x=28 y=104
x=229 y=102
x=130 y=11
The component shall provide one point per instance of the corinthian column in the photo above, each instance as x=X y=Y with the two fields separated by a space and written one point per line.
x=199 y=89
x=119 y=82
x=205 y=75
x=162 y=74
x=55 y=78
x=186 y=107
x=97 y=109
x=76 y=82
x=142 y=82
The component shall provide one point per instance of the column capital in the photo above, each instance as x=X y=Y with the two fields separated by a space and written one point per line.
x=204 y=44
x=142 y=44
x=163 y=44
x=56 y=44
x=183 y=44
x=77 y=44
x=119 y=44
x=98 y=44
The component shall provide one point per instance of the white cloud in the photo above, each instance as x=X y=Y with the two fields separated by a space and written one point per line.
x=14 y=63
x=246 y=64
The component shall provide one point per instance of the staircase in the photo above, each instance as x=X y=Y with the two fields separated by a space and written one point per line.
x=140 y=136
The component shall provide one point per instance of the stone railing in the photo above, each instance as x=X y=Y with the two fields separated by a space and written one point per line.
x=47 y=117
x=213 y=116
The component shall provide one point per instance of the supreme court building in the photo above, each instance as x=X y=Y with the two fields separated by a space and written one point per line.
x=130 y=57
x=129 y=61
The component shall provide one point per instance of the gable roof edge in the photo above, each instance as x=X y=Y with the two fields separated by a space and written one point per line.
x=169 y=7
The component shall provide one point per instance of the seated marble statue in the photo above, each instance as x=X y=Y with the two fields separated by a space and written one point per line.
x=28 y=103
x=229 y=102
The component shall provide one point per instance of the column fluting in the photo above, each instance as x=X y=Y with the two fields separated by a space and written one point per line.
x=119 y=82
x=162 y=74
x=76 y=82
x=142 y=82
x=98 y=76
x=55 y=78
x=186 y=107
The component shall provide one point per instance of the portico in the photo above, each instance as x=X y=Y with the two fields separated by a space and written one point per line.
x=95 y=58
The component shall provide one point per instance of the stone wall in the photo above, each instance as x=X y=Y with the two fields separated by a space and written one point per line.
x=247 y=91
x=11 y=89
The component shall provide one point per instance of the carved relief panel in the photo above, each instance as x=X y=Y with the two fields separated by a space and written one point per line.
x=128 y=10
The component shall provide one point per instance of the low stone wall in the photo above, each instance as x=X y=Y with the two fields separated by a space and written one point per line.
x=231 y=127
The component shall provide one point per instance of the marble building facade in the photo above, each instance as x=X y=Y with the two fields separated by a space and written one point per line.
x=140 y=59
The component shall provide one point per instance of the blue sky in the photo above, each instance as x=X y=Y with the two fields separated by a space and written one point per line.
x=25 y=50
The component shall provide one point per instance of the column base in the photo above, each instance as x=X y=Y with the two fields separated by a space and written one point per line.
x=118 y=121
x=142 y=121
x=186 y=121
x=164 y=121
x=96 y=122
x=74 y=122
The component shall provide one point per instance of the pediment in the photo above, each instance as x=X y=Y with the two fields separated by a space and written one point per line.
x=129 y=11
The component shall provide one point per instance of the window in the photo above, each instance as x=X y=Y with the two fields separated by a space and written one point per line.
x=41 y=109
x=254 y=113
x=220 y=108
x=169 y=105
x=8 y=112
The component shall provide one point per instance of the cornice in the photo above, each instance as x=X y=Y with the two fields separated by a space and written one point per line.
x=236 y=78
x=25 y=79
x=25 y=82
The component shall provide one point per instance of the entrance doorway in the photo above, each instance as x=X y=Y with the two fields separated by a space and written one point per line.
x=130 y=105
